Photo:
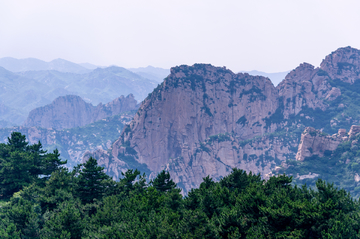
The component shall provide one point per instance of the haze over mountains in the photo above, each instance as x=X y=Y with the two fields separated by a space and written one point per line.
x=275 y=77
x=204 y=120
x=33 y=64
x=201 y=120
x=30 y=83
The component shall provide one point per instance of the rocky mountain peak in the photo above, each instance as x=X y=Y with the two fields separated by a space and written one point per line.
x=343 y=64
x=305 y=86
x=192 y=104
x=204 y=120
x=72 y=111
x=301 y=73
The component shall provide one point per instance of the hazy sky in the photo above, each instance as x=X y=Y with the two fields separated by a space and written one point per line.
x=266 y=35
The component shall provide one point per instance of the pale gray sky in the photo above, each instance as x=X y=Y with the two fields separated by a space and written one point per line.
x=266 y=35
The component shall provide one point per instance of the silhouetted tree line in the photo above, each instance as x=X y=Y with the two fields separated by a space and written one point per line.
x=42 y=199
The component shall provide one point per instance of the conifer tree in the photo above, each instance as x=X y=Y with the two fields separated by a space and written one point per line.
x=91 y=181
x=163 y=182
x=22 y=164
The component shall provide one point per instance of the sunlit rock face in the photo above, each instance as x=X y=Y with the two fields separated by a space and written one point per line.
x=204 y=120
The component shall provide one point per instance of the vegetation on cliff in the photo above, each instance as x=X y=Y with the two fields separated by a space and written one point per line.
x=340 y=167
x=86 y=203
x=73 y=143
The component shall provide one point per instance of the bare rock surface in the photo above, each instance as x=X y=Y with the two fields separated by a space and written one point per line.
x=72 y=111
x=315 y=142
x=204 y=120
x=343 y=64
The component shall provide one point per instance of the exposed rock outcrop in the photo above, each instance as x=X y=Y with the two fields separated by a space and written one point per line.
x=74 y=143
x=194 y=103
x=71 y=111
x=343 y=64
x=303 y=87
x=315 y=142
x=174 y=126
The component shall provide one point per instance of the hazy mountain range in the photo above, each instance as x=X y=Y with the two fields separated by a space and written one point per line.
x=204 y=120
x=30 y=83
x=275 y=78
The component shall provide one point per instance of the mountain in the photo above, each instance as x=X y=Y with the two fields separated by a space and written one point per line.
x=32 y=64
x=153 y=73
x=100 y=85
x=18 y=95
x=204 y=120
x=330 y=157
x=71 y=111
x=89 y=66
x=75 y=142
x=275 y=77
x=23 y=91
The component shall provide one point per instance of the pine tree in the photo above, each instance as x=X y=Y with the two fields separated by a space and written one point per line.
x=22 y=164
x=91 y=181
x=163 y=182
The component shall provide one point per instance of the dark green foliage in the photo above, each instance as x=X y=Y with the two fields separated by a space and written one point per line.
x=130 y=160
x=240 y=205
x=127 y=129
x=254 y=94
x=239 y=180
x=204 y=148
x=219 y=138
x=22 y=164
x=338 y=167
x=90 y=181
x=278 y=115
x=242 y=120
x=163 y=182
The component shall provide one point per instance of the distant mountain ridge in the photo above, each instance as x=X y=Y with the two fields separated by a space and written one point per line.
x=150 y=72
x=33 y=64
x=71 y=111
x=75 y=142
x=23 y=91
x=275 y=77
x=204 y=120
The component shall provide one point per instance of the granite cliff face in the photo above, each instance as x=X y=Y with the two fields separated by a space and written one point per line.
x=315 y=142
x=71 y=111
x=305 y=87
x=194 y=103
x=204 y=120
x=343 y=64
x=180 y=116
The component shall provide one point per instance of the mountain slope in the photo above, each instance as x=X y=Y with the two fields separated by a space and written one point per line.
x=32 y=64
x=204 y=120
x=334 y=158
x=71 y=111
x=21 y=92
x=152 y=73
x=75 y=142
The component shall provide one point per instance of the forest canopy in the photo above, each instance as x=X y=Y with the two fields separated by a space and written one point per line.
x=42 y=199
